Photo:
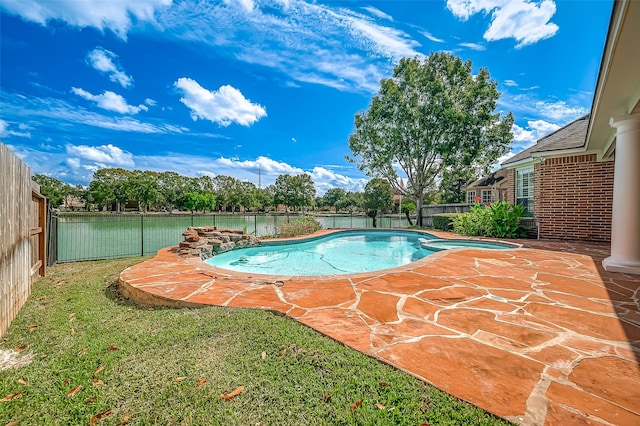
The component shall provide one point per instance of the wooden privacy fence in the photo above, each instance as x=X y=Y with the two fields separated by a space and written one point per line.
x=22 y=235
x=430 y=210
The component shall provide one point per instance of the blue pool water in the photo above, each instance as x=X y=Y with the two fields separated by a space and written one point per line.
x=345 y=252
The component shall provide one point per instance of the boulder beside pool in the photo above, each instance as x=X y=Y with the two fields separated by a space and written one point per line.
x=207 y=241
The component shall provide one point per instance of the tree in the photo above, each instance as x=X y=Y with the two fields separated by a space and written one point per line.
x=108 y=186
x=294 y=191
x=54 y=189
x=378 y=196
x=453 y=184
x=331 y=197
x=350 y=201
x=407 y=207
x=429 y=117
x=142 y=187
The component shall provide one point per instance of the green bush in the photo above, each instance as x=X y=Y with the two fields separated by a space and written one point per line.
x=302 y=226
x=443 y=221
x=500 y=220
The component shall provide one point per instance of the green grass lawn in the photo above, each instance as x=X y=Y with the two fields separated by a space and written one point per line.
x=141 y=366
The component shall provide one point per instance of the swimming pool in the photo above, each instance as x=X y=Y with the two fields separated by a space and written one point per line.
x=343 y=252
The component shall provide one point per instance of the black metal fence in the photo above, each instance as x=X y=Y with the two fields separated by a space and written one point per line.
x=77 y=237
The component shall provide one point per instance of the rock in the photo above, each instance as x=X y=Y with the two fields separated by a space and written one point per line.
x=207 y=241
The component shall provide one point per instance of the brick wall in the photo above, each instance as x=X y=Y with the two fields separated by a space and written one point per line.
x=510 y=185
x=573 y=197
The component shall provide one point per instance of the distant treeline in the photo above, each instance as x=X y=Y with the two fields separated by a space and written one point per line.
x=116 y=189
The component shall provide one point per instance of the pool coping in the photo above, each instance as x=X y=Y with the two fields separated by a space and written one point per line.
x=541 y=334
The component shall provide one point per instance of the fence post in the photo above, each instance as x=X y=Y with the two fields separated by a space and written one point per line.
x=191 y=218
x=255 y=224
x=142 y=233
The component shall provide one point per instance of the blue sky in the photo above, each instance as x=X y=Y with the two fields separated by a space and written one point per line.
x=227 y=87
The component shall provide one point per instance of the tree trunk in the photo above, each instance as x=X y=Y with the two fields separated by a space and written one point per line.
x=406 y=212
x=419 y=209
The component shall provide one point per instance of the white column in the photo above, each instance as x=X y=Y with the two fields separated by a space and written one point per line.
x=625 y=224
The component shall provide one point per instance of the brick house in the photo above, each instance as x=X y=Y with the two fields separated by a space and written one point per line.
x=488 y=189
x=582 y=182
x=568 y=190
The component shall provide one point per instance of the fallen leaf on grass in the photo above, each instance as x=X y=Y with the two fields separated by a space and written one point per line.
x=113 y=348
x=424 y=424
x=72 y=317
x=22 y=382
x=32 y=328
x=125 y=420
x=229 y=396
x=74 y=391
x=179 y=379
x=201 y=383
x=91 y=399
x=379 y=406
x=327 y=397
x=384 y=384
x=13 y=423
x=84 y=351
x=68 y=380
x=264 y=355
x=356 y=405
x=100 y=416
x=72 y=332
x=97 y=383
x=282 y=353
x=20 y=348
x=98 y=371
x=11 y=396
x=391 y=409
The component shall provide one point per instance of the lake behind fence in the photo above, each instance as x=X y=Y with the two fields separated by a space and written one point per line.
x=109 y=236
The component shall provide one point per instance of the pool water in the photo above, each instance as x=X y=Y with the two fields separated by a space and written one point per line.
x=345 y=252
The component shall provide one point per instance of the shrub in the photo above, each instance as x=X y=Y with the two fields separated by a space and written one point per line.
x=477 y=222
x=500 y=220
x=302 y=226
x=506 y=220
x=443 y=221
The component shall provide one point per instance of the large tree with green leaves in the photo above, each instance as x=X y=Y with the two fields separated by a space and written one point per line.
x=378 y=196
x=429 y=117
x=294 y=191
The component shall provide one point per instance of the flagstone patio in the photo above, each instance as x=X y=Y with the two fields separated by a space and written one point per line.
x=540 y=335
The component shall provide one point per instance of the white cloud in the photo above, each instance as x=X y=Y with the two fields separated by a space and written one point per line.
x=110 y=101
x=510 y=83
x=223 y=106
x=117 y=16
x=386 y=40
x=559 y=110
x=293 y=140
x=525 y=21
x=377 y=12
x=104 y=154
x=535 y=129
x=473 y=46
x=307 y=41
x=150 y=102
x=432 y=37
x=54 y=114
x=6 y=131
x=247 y=5
x=107 y=62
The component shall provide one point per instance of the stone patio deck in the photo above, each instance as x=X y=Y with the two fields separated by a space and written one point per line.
x=540 y=335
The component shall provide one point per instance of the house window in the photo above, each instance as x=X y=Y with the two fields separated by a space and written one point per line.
x=487 y=196
x=470 y=197
x=524 y=188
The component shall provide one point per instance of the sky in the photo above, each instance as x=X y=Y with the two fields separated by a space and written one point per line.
x=258 y=88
